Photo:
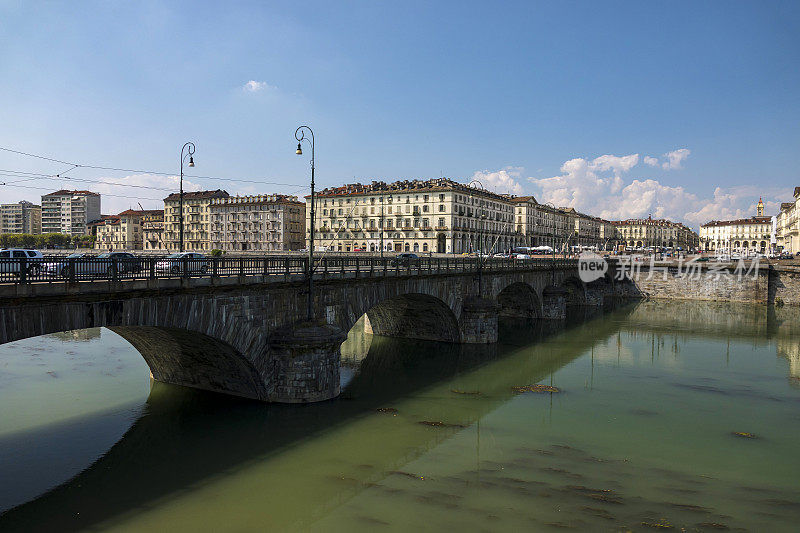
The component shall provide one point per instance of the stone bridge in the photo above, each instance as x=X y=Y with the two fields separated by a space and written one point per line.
x=247 y=335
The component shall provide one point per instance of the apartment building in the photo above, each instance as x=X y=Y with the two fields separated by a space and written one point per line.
x=196 y=222
x=546 y=225
x=22 y=217
x=649 y=232
x=423 y=216
x=123 y=231
x=273 y=222
x=741 y=235
x=153 y=230
x=69 y=212
x=787 y=236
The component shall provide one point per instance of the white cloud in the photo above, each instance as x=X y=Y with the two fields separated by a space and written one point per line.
x=675 y=159
x=582 y=179
x=253 y=86
x=502 y=181
x=599 y=187
x=616 y=163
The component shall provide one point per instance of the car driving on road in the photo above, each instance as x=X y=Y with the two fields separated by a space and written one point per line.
x=174 y=263
x=405 y=259
x=60 y=267
x=109 y=264
x=11 y=259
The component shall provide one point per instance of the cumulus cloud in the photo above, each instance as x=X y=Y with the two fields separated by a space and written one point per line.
x=602 y=187
x=675 y=159
x=581 y=179
x=502 y=181
x=615 y=163
x=254 y=86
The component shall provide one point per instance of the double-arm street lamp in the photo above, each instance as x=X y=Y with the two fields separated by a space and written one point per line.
x=300 y=135
x=188 y=148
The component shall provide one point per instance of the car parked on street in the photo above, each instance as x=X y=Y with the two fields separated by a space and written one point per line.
x=174 y=263
x=11 y=260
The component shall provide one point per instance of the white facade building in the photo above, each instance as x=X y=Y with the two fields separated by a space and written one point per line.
x=69 y=212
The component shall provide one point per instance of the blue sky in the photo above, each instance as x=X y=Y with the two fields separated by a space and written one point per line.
x=563 y=100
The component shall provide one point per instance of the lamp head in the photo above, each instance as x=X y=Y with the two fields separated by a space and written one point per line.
x=191 y=161
x=299 y=150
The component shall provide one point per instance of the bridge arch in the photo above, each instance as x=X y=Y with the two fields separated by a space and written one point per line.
x=414 y=316
x=193 y=344
x=576 y=291
x=519 y=300
x=192 y=359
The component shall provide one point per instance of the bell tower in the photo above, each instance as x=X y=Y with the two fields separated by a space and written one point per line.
x=760 y=208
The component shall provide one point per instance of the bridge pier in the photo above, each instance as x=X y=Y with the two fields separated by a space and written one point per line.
x=554 y=303
x=595 y=293
x=305 y=363
x=478 y=322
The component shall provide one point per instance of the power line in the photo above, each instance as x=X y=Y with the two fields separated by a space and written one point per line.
x=105 y=194
x=114 y=169
x=57 y=177
x=34 y=155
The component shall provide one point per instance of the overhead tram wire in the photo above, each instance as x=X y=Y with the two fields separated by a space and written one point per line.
x=30 y=176
x=105 y=194
x=157 y=173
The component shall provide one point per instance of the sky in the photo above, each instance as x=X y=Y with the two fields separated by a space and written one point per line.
x=684 y=110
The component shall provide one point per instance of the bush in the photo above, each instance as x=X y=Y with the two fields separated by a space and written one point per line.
x=216 y=252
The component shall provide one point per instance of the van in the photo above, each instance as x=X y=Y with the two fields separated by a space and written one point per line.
x=11 y=259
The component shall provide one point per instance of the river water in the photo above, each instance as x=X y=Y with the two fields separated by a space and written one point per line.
x=668 y=414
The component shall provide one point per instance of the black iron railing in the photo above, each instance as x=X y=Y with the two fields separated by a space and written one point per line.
x=278 y=268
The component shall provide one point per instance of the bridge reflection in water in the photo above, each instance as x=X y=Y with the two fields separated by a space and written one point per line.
x=186 y=436
x=290 y=466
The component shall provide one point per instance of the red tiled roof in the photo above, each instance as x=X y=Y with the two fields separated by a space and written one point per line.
x=141 y=212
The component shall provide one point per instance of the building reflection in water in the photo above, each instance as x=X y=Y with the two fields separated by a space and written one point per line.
x=79 y=335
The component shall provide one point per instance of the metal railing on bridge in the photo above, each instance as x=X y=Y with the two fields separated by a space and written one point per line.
x=278 y=268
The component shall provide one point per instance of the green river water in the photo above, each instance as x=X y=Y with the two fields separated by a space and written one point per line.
x=425 y=436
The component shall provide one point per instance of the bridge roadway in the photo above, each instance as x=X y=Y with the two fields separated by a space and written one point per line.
x=246 y=334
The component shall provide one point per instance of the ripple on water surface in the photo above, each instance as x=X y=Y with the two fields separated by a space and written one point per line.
x=660 y=416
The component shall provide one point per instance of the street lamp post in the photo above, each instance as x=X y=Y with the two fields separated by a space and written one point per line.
x=381 y=224
x=190 y=153
x=479 y=232
x=299 y=134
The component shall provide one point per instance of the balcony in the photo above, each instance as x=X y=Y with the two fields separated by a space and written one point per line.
x=443 y=228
